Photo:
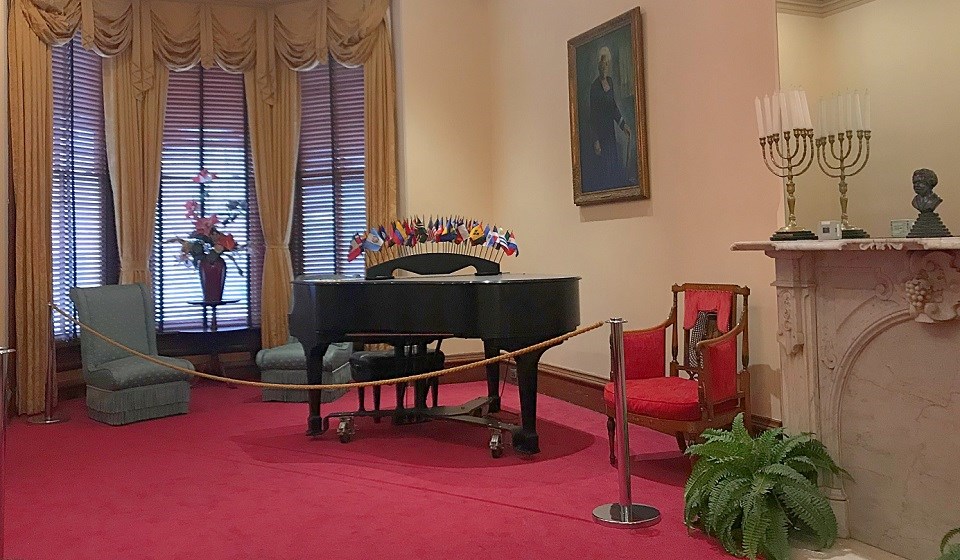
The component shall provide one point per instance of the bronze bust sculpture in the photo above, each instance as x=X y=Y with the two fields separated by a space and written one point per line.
x=924 y=180
x=928 y=223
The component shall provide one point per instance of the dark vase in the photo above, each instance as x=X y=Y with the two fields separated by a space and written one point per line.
x=213 y=274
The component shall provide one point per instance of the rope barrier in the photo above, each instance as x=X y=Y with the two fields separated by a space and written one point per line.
x=294 y=387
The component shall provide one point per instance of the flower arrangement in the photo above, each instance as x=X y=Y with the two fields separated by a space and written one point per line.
x=208 y=242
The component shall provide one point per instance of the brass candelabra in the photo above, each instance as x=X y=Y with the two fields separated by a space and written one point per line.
x=841 y=147
x=788 y=154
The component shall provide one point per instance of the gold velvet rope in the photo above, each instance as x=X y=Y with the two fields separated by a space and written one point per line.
x=294 y=387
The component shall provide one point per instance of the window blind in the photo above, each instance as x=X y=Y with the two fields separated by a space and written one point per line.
x=330 y=204
x=82 y=226
x=205 y=128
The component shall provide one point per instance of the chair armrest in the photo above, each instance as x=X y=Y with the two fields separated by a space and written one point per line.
x=719 y=376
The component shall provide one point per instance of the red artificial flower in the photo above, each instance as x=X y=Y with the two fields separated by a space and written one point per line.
x=227 y=242
x=192 y=206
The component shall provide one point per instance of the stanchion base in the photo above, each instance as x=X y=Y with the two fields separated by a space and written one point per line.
x=637 y=515
x=42 y=419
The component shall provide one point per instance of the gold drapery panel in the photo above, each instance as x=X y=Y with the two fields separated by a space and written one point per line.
x=133 y=125
x=150 y=36
x=275 y=137
x=31 y=128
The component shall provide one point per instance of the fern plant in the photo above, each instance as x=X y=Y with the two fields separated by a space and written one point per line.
x=754 y=494
x=950 y=551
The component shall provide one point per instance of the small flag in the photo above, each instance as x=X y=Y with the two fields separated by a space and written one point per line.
x=356 y=247
x=477 y=235
x=372 y=242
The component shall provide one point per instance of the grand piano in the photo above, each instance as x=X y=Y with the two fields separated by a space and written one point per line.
x=507 y=311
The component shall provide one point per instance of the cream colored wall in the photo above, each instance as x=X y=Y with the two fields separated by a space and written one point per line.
x=705 y=62
x=903 y=51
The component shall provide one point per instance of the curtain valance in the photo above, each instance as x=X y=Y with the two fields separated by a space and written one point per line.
x=237 y=38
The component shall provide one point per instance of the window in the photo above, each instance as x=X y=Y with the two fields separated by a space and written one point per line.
x=205 y=128
x=330 y=203
x=83 y=232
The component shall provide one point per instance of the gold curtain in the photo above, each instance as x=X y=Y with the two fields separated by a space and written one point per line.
x=31 y=128
x=275 y=137
x=134 y=135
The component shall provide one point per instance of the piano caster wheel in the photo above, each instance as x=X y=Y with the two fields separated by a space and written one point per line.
x=496 y=444
x=345 y=430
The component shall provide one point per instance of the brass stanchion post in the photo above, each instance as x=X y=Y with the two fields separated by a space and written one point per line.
x=624 y=513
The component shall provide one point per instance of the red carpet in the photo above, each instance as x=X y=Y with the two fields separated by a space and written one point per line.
x=237 y=479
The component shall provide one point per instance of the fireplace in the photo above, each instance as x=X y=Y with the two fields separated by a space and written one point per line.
x=870 y=356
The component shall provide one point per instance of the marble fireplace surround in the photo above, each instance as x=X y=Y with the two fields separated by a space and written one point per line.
x=849 y=311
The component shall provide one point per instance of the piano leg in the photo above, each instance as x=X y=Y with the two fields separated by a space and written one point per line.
x=491 y=350
x=315 y=355
x=526 y=440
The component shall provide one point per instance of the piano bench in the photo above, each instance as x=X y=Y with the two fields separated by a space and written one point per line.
x=378 y=365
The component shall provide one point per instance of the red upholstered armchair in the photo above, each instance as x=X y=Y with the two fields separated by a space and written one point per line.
x=703 y=388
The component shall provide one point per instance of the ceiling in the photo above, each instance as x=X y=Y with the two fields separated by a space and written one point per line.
x=816 y=8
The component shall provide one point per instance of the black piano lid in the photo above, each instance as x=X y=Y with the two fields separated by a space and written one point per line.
x=503 y=278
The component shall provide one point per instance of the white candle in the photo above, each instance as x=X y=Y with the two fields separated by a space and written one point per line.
x=858 y=117
x=775 y=125
x=795 y=119
x=866 y=110
x=824 y=126
x=784 y=112
x=849 y=111
x=806 y=109
x=756 y=104
x=767 y=115
x=840 y=119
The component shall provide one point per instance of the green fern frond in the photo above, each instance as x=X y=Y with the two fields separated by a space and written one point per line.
x=951 y=552
x=789 y=473
x=776 y=545
x=946 y=540
x=756 y=520
x=725 y=501
x=810 y=507
x=739 y=430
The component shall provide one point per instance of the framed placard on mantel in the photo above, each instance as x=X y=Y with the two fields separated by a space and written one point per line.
x=608 y=136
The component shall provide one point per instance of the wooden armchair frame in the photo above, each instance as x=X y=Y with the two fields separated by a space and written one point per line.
x=714 y=413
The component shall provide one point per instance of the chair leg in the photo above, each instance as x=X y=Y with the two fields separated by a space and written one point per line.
x=376 y=402
x=611 y=435
x=435 y=390
x=361 y=396
x=682 y=441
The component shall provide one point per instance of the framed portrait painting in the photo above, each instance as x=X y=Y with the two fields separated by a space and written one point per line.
x=607 y=112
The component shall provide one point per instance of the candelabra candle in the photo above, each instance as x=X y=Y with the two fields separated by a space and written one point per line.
x=836 y=162
x=788 y=154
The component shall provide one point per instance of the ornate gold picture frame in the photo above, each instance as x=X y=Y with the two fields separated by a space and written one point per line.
x=608 y=136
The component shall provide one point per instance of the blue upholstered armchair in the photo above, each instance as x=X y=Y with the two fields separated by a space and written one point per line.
x=122 y=388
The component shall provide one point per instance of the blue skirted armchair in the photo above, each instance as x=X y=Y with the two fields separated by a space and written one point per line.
x=122 y=388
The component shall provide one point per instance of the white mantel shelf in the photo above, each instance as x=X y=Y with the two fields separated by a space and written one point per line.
x=877 y=244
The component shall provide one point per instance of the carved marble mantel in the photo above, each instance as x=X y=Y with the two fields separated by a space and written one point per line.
x=833 y=299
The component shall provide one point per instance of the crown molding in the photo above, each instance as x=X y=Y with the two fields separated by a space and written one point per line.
x=816 y=8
